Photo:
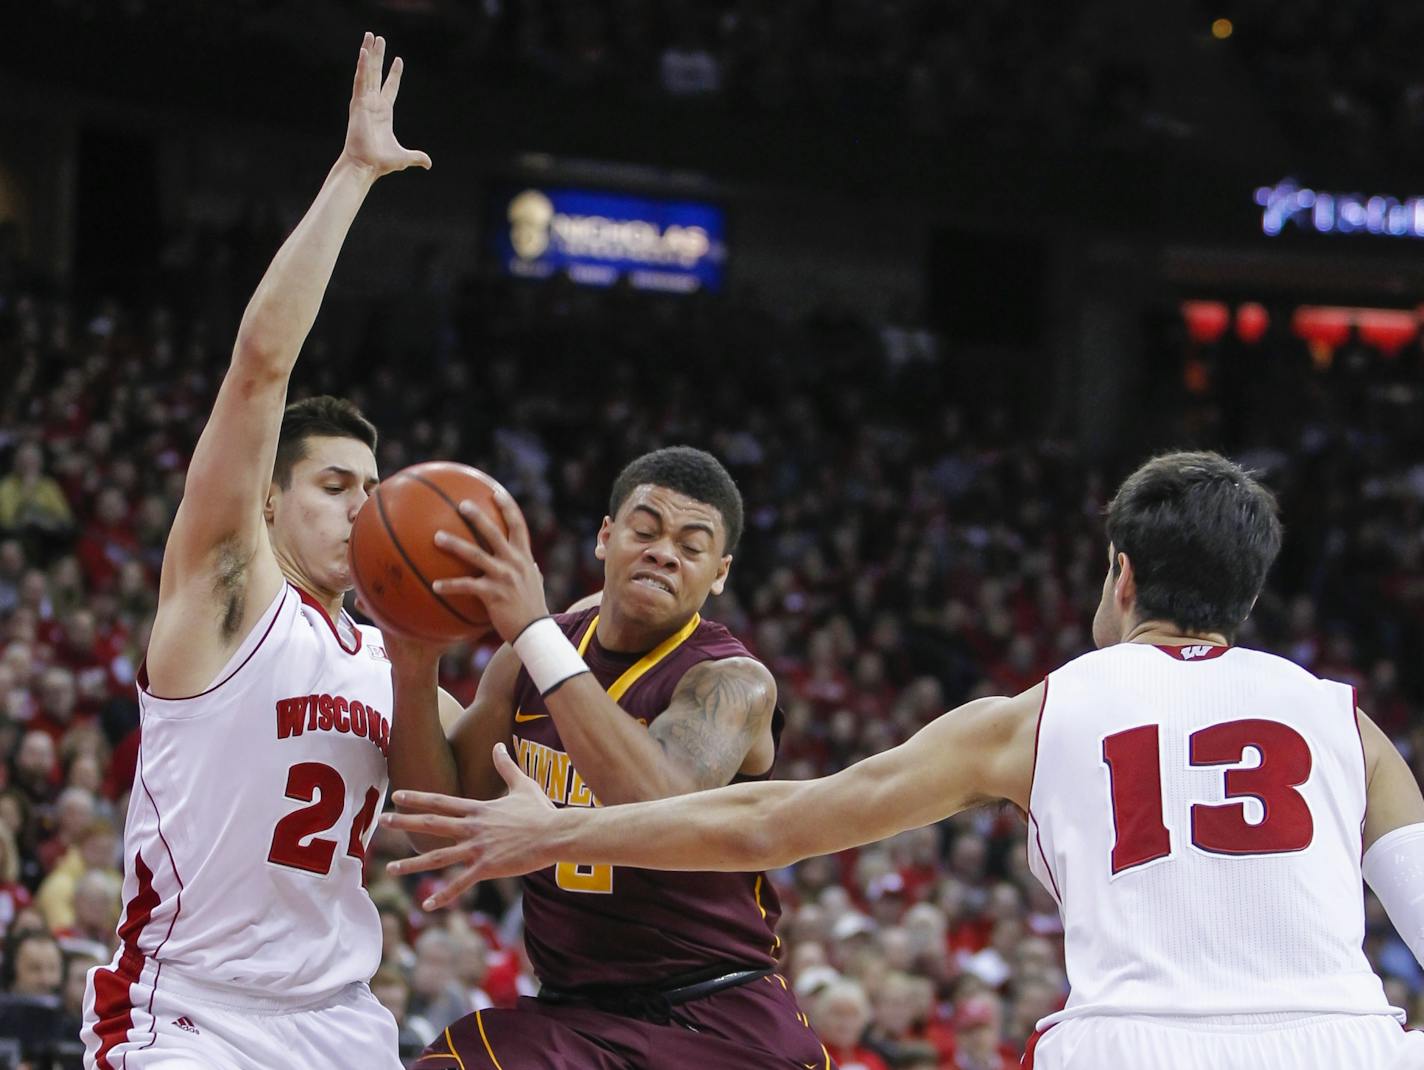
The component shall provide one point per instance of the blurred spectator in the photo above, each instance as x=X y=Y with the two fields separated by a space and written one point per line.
x=840 y=1015
x=977 y=1029
x=36 y=966
x=96 y=916
x=392 y=989
x=94 y=851
x=436 y=998
x=32 y=505
x=36 y=768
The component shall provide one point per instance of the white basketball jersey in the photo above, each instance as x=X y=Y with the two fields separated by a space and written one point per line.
x=1197 y=813
x=251 y=810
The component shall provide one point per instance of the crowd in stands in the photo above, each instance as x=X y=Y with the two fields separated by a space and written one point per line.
x=924 y=66
x=1338 y=75
x=907 y=547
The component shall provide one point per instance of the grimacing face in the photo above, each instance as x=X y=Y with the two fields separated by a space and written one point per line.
x=663 y=555
x=310 y=520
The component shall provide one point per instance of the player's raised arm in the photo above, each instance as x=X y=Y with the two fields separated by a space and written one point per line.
x=219 y=572
x=980 y=752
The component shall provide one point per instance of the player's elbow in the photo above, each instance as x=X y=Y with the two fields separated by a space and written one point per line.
x=765 y=834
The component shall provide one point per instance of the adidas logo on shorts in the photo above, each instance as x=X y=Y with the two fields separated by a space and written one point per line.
x=185 y=1023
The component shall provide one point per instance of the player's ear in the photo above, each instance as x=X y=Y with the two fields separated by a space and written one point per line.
x=723 y=567
x=1125 y=586
x=269 y=507
x=600 y=546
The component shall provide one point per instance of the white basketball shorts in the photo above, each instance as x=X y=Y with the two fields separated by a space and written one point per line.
x=169 y=1026
x=1239 y=1042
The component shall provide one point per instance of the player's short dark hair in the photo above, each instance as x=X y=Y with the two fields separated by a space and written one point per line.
x=319 y=417
x=1201 y=534
x=689 y=471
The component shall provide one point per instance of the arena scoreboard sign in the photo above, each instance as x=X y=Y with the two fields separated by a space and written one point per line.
x=1288 y=204
x=598 y=238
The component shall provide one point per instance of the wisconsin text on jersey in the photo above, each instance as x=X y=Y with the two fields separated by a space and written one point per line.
x=332 y=713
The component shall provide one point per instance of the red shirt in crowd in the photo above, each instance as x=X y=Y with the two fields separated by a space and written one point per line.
x=856 y=1058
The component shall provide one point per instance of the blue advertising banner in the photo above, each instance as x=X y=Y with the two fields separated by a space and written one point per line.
x=598 y=238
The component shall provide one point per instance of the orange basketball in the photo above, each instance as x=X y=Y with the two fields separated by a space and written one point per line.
x=394 y=559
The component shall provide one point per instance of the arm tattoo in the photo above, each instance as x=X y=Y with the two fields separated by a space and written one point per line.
x=716 y=713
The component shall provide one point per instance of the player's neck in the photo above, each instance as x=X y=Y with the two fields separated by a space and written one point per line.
x=331 y=601
x=619 y=635
x=1164 y=633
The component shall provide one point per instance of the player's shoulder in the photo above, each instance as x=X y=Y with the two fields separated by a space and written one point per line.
x=573 y=622
x=715 y=640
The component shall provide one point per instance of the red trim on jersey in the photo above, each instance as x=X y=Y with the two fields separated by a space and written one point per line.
x=142 y=674
x=1030 y=1047
x=113 y=1006
x=1033 y=771
x=178 y=902
x=1193 y=651
x=309 y=600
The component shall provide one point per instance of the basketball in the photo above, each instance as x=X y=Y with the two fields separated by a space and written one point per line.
x=394 y=559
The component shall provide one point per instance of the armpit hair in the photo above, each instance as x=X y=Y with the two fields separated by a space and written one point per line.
x=230 y=583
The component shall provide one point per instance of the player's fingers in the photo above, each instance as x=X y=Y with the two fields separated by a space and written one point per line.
x=430 y=802
x=358 y=84
x=378 y=63
x=392 y=87
x=483 y=526
x=416 y=158
x=447 y=828
x=513 y=519
x=440 y=858
x=456 y=888
x=465 y=550
x=476 y=586
x=507 y=768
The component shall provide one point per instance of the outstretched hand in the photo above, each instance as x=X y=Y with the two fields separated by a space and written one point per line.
x=504 y=838
x=370 y=128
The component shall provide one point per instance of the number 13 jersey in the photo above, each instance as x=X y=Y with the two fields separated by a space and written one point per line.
x=1197 y=813
x=251 y=809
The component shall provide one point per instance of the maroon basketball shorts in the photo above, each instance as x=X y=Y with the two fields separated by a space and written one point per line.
x=755 y=1025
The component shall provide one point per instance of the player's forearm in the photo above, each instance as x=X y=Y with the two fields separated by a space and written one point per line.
x=420 y=758
x=736 y=829
x=614 y=754
x=285 y=305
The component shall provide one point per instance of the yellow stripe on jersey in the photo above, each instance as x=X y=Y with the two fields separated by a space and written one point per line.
x=479 y=1020
x=648 y=661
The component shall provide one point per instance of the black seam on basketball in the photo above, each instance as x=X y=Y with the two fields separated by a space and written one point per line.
x=390 y=533
x=453 y=505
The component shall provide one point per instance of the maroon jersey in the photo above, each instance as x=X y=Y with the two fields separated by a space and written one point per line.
x=606 y=925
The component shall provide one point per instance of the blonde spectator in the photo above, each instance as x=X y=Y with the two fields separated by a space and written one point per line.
x=840 y=1014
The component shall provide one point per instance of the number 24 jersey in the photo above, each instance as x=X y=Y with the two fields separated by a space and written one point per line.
x=247 y=828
